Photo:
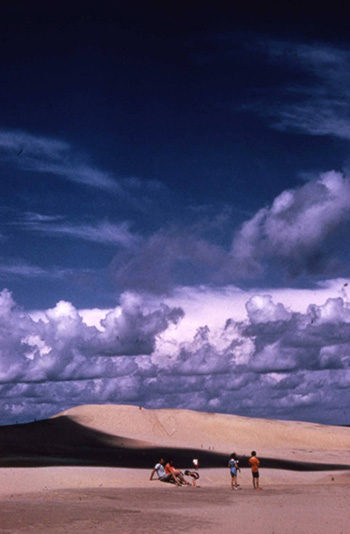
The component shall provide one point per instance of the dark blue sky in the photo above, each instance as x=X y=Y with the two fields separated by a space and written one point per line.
x=150 y=152
x=173 y=100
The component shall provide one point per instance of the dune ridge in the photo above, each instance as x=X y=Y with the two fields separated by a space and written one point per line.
x=289 y=440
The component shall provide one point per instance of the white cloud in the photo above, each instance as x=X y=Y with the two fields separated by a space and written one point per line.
x=262 y=309
x=19 y=268
x=295 y=229
x=51 y=156
x=102 y=232
x=320 y=104
x=61 y=346
x=268 y=361
x=19 y=141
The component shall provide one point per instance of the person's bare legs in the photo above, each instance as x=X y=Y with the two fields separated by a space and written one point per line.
x=234 y=481
x=175 y=479
x=256 y=483
x=178 y=476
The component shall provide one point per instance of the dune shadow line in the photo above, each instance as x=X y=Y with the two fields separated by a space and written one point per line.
x=64 y=442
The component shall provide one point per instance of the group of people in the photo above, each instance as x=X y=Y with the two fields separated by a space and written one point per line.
x=254 y=463
x=168 y=473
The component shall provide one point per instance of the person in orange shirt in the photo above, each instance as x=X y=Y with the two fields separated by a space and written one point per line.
x=254 y=464
x=170 y=469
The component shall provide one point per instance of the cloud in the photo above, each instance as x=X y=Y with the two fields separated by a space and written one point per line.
x=302 y=233
x=19 y=268
x=61 y=346
x=100 y=232
x=261 y=309
x=41 y=154
x=296 y=228
x=275 y=362
x=165 y=259
x=317 y=105
x=16 y=142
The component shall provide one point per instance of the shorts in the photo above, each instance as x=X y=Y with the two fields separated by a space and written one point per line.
x=255 y=474
x=192 y=474
x=233 y=472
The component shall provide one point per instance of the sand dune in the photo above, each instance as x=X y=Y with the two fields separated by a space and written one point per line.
x=85 y=477
x=291 y=440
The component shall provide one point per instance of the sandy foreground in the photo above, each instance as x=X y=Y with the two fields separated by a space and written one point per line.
x=57 y=500
x=107 y=500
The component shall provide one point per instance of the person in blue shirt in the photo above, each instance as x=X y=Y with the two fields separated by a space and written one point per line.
x=234 y=467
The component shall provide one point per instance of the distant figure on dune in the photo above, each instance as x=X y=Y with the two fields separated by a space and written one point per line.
x=170 y=469
x=254 y=464
x=162 y=475
x=234 y=467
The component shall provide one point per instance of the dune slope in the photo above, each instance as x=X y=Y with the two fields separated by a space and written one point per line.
x=287 y=440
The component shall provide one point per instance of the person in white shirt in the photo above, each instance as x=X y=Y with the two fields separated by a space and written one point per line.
x=163 y=477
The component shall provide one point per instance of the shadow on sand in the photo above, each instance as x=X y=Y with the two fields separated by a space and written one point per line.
x=62 y=441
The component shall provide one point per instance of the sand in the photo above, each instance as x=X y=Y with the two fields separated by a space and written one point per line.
x=94 y=500
x=57 y=500
x=292 y=440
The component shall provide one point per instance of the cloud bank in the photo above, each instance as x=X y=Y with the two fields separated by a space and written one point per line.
x=275 y=363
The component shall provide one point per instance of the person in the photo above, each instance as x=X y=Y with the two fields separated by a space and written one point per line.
x=194 y=475
x=163 y=476
x=254 y=464
x=170 y=469
x=234 y=467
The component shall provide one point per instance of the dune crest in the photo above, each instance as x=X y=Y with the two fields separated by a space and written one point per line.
x=290 y=440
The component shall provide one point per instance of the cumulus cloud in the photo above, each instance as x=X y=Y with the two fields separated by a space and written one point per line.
x=276 y=362
x=61 y=346
x=262 y=309
x=302 y=232
x=295 y=228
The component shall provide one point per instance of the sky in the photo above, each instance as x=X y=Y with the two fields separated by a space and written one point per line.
x=174 y=209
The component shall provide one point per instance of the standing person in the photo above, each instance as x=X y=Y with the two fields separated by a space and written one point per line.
x=162 y=475
x=234 y=467
x=254 y=464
